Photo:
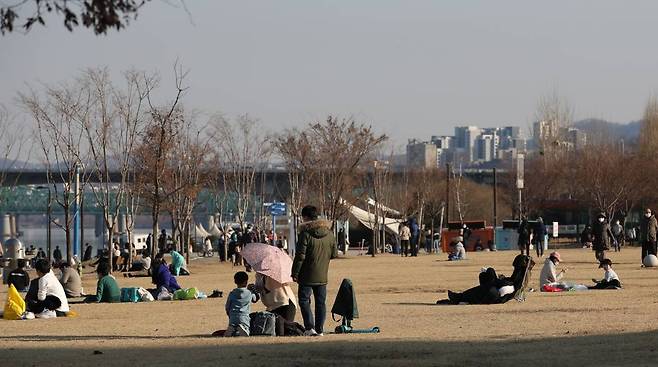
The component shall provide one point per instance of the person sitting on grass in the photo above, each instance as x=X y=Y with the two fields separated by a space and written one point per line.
x=50 y=299
x=549 y=272
x=87 y=255
x=107 y=289
x=458 y=251
x=140 y=267
x=238 y=306
x=177 y=263
x=610 y=279
x=161 y=276
x=19 y=277
x=70 y=280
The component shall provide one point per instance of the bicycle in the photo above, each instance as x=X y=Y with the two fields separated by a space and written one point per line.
x=206 y=253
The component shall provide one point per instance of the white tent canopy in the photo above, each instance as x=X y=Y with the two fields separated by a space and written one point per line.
x=368 y=219
x=215 y=232
x=383 y=207
x=200 y=231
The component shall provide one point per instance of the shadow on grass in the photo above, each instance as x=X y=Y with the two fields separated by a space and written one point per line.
x=631 y=349
x=46 y=338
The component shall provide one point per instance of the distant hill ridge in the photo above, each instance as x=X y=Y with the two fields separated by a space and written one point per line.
x=628 y=131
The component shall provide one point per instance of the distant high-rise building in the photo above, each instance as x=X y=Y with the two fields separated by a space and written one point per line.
x=469 y=145
x=511 y=131
x=422 y=154
x=485 y=148
x=465 y=139
x=543 y=130
x=443 y=142
x=576 y=137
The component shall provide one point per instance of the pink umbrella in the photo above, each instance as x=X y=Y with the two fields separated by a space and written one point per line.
x=269 y=260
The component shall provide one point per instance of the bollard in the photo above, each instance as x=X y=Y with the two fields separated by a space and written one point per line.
x=14 y=251
x=6 y=227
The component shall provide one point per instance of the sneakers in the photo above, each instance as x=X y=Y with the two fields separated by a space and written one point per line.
x=310 y=332
x=28 y=316
x=46 y=314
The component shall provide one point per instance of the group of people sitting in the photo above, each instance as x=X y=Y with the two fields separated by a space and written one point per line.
x=495 y=288
x=551 y=280
x=47 y=295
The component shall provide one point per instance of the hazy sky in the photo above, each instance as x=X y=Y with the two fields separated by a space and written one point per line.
x=410 y=68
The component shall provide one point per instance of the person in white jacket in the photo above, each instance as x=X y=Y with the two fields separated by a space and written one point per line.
x=549 y=273
x=50 y=300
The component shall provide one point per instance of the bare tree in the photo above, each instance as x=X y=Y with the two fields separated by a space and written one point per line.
x=554 y=115
x=649 y=133
x=157 y=144
x=61 y=140
x=295 y=148
x=601 y=182
x=11 y=143
x=341 y=146
x=381 y=190
x=220 y=194
x=244 y=148
x=111 y=122
x=186 y=180
x=459 y=191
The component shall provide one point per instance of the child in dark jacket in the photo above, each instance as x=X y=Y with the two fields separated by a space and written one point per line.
x=610 y=279
x=19 y=277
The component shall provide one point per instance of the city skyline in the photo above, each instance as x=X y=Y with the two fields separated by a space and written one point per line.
x=418 y=67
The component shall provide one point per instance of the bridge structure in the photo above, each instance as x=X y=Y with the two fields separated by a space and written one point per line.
x=26 y=191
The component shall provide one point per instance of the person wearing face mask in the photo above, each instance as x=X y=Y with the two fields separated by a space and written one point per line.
x=648 y=229
x=602 y=235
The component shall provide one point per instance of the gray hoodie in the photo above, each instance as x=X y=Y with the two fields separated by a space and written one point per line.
x=238 y=306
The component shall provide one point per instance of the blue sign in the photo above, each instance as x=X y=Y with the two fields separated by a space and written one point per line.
x=278 y=209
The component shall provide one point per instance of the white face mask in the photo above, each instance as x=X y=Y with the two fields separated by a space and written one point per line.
x=648 y=215
x=601 y=220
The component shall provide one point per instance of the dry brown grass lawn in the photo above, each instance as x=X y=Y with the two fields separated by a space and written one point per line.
x=603 y=328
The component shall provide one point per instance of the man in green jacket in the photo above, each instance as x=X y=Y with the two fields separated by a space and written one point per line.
x=316 y=245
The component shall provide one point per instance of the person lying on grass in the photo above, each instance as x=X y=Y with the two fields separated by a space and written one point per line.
x=494 y=288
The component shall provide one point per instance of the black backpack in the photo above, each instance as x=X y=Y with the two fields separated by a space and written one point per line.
x=262 y=324
x=288 y=328
x=345 y=303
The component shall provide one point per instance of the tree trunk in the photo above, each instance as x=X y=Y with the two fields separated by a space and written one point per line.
x=154 y=237
x=110 y=246
x=67 y=229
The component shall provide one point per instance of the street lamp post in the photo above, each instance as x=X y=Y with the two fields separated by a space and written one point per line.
x=48 y=230
x=519 y=180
